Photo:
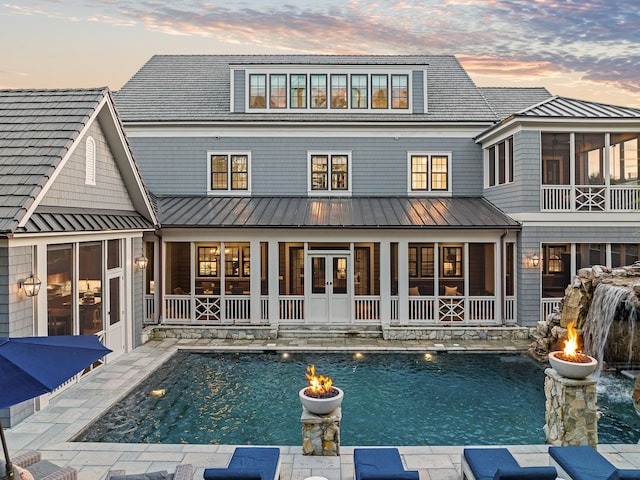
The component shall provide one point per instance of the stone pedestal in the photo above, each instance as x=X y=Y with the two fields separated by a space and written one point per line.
x=571 y=410
x=321 y=433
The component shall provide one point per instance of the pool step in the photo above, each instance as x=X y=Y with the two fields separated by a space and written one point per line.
x=329 y=331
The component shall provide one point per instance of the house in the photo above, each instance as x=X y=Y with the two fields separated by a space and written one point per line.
x=381 y=195
x=73 y=213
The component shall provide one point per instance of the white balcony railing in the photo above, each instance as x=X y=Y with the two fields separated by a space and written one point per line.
x=548 y=305
x=590 y=198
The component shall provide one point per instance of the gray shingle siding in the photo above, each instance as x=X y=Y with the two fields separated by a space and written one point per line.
x=174 y=166
x=523 y=195
x=69 y=188
x=418 y=91
x=238 y=91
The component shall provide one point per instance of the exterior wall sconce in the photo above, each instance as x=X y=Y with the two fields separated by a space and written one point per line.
x=535 y=260
x=142 y=262
x=31 y=285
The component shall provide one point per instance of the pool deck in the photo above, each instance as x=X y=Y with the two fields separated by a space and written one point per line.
x=50 y=429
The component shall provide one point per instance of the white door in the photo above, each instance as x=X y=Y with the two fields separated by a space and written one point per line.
x=113 y=302
x=329 y=297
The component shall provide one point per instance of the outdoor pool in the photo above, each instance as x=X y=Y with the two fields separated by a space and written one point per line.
x=390 y=399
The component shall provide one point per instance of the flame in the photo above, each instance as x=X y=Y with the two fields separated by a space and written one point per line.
x=571 y=345
x=318 y=384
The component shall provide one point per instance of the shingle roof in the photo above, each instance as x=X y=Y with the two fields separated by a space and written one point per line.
x=572 y=108
x=182 y=88
x=355 y=212
x=37 y=127
x=506 y=101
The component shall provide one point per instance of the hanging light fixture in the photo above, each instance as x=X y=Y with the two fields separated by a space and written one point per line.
x=31 y=285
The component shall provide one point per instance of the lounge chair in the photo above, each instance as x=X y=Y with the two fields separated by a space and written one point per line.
x=499 y=464
x=249 y=463
x=183 y=471
x=380 y=464
x=40 y=469
x=585 y=463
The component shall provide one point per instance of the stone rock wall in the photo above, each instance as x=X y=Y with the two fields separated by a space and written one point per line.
x=575 y=307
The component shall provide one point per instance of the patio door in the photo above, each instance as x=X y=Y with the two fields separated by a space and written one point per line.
x=329 y=296
x=113 y=301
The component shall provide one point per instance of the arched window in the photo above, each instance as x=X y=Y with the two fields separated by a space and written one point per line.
x=90 y=162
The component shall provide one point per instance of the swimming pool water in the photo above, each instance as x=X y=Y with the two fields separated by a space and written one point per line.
x=390 y=399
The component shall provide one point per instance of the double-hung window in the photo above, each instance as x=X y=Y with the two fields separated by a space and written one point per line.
x=318 y=91
x=338 y=91
x=429 y=172
x=399 y=91
x=329 y=173
x=258 y=91
x=379 y=91
x=298 y=91
x=278 y=93
x=229 y=172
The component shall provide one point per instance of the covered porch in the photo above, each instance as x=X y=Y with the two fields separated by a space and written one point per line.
x=425 y=262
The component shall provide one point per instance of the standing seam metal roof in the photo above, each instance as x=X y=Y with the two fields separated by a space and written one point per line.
x=310 y=212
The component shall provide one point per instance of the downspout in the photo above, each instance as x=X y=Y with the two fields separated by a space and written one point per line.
x=503 y=286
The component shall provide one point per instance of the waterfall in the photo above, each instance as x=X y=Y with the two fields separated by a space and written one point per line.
x=610 y=302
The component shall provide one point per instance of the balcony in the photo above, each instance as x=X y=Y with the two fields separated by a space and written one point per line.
x=590 y=198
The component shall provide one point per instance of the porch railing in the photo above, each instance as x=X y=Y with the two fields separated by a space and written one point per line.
x=149 y=309
x=422 y=309
x=510 y=309
x=590 y=198
x=367 y=307
x=548 y=305
x=291 y=307
x=237 y=308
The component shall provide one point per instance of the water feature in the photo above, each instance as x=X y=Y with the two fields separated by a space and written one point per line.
x=395 y=399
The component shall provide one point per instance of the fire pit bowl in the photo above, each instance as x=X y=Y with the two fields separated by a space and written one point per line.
x=573 y=369
x=323 y=404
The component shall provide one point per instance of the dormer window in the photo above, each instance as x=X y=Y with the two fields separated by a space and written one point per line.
x=323 y=89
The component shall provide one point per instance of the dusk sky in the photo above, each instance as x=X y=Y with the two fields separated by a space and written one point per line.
x=576 y=48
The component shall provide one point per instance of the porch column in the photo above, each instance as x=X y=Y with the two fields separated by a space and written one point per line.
x=385 y=283
x=403 y=284
x=256 y=262
x=274 y=285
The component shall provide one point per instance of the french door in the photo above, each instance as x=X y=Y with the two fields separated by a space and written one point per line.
x=329 y=298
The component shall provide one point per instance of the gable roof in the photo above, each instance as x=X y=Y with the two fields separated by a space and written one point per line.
x=196 y=88
x=38 y=129
x=563 y=107
x=506 y=101
x=326 y=212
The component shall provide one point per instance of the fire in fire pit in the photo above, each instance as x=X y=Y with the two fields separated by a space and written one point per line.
x=569 y=362
x=570 y=352
x=319 y=385
x=320 y=397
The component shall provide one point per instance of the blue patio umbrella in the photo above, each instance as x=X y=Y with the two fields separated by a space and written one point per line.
x=32 y=366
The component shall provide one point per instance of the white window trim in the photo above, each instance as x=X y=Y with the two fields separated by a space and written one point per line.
x=90 y=161
x=309 y=70
x=429 y=192
x=228 y=191
x=329 y=192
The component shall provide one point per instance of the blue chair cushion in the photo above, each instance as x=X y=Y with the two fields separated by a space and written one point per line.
x=231 y=474
x=526 y=473
x=623 y=474
x=484 y=462
x=248 y=463
x=582 y=462
x=380 y=463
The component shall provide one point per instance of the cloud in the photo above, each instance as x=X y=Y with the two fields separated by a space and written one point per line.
x=595 y=39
